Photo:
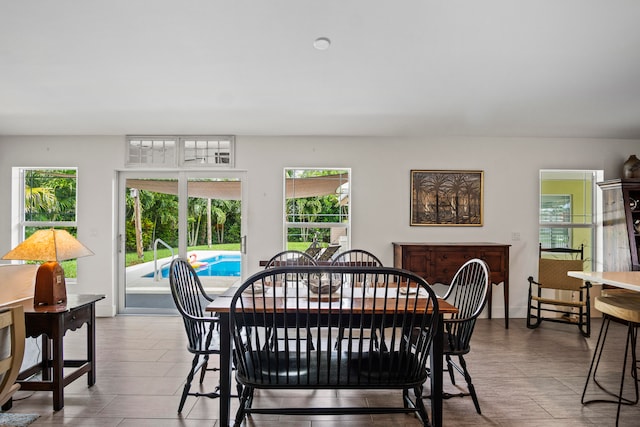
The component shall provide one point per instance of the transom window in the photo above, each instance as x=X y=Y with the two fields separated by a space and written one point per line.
x=181 y=151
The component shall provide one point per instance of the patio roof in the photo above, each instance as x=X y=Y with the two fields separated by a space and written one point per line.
x=231 y=190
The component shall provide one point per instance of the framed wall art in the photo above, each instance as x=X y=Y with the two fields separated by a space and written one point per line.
x=447 y=197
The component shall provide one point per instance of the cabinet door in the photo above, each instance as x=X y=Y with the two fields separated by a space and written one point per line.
x=632 y=206
x=616 y=242
x=446 y=261
x=416 y=259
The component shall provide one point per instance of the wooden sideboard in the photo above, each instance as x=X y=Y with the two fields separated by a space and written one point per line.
x=438 y=263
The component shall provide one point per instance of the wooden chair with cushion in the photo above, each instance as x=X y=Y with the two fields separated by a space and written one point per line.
x=12 y=331
x=556 y=297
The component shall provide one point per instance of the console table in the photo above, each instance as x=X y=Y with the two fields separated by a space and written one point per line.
x=438 y=263
x=52 y=322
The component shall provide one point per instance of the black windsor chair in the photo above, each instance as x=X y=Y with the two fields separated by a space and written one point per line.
x=291 y=258
x=357 y=258
x=468 y=293
x=202 y=329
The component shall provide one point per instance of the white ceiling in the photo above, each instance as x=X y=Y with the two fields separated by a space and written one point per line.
x=531 y=68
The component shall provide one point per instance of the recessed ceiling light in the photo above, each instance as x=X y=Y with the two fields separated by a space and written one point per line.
x=322 y=43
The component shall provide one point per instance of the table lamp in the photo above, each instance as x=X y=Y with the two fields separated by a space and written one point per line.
x=49 y=246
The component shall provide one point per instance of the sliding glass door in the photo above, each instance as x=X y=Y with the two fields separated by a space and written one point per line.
x=164 y=215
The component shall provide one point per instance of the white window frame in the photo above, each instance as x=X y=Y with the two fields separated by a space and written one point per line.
x=345 y=194
x=20 y=223
x=592 y=254
x=180 y=151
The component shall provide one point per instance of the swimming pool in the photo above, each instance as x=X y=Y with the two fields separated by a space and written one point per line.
x=219 y=265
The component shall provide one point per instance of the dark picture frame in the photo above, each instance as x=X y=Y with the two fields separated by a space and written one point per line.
x=447 y=198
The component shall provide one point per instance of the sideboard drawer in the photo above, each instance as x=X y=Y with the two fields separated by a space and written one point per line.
x=446 y=263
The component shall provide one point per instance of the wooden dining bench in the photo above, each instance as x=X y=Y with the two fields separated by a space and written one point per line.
x=274 y=313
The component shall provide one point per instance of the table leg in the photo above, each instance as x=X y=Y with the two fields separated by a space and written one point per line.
x=46 y=357
x=506 y=302
x=58 y=364
x=436 y=375
x=225 y=369
x=91 y=347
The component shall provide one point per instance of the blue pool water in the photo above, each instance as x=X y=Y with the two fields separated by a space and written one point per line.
x=219 y=265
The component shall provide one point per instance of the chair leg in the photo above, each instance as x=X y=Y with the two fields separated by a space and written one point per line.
x=187 y=385
x=203 y=368
x=595 y=360
x=450 y=369
x=467 y=377
x=530 y=307
x=584 y=321
x=247 y=394
x=422 y=411
x=631 y=341
x=630 y=345
x=195 y=365
x=470 y=386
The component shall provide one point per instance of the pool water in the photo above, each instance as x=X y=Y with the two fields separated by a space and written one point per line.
x=219 y=265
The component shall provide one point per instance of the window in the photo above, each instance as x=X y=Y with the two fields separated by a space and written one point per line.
x=191 y=152
x=48 y=199
x=151 y=151
x=568 y=214
x=211 y=151
x=555 y=209
x=316 y=208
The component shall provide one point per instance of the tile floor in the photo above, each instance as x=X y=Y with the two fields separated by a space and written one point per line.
x=523 y=377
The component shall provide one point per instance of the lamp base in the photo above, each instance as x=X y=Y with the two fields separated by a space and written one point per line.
x=50 y=286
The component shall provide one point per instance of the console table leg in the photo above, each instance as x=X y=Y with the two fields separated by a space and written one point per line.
x=506 y=304
x=58 y=364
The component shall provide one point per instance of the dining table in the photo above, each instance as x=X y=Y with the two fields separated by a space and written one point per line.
x=222 y=305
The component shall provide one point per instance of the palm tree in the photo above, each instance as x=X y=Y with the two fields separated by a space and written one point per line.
x=197 y=209
x=221 y=218
x=471 y=189
x=431 y=185
x=455 y=186
x=39 y=199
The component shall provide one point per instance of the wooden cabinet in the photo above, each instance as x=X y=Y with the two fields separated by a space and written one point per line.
x=621 y=213
x=438 y=263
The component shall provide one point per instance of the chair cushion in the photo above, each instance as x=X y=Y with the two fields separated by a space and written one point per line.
x=553 y=301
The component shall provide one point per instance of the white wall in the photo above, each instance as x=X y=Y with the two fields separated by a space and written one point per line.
x=380 y=191
x=96 y=159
